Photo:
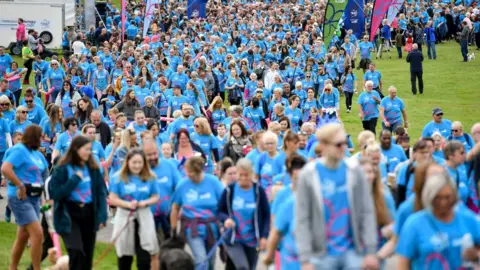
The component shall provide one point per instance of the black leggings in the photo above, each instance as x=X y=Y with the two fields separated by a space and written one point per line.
x=80 y=242
x=28 y=64
x=370 y=125
x=143 y=257
x=47 y=241
x=348 y=99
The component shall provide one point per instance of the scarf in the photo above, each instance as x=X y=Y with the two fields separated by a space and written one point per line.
x=239 y=143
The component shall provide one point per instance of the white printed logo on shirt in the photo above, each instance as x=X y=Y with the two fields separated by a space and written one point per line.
x=191 y=195
x=162 y=180
x=439 y=241
x=238 y=203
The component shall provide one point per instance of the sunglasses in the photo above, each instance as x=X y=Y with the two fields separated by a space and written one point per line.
x=328 y=90
x=129 y=81
x=73 y=124
x=4 y=104
x=339 y=144
x=54 y=65
x=308 y=76
x=24 y=112
x=28 y=101
x=197 y=126
x=440 y=114
x=455 y=130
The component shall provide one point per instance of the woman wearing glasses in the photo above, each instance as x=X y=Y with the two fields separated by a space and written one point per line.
x=26 y=168
x=6 y=108
x=64 y=140
x=55 y=78
x=204 y=138
x=67 y=99
x=329 y=103
x=443 y=236
x=21 y=121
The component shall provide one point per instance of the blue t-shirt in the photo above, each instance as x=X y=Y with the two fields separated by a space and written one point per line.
x=101 y=79
x=199 y=200
x=365 y=48
x=167 y=178
x=369 y=105
x=295 y=116
x=285 y=224
x=444 y=128
x=28 y=165
x=5 y=62
x=207 y=143
x=349 y=83
x=135 y=188
x=394 y=156
x=4 y=128
x=264 y=166
x=36 y=114
x=254 y=117
x=83 y=192
x=373 y=76
x=98 y=151
x=337 y=211
x=432 y=244
x=63 y=142
x=466 y=189
x=281 y=198
x=392 y=109
x=182 y=123
x=17 y=127
x=56 y=78
x=243 y=207
x=175 y=102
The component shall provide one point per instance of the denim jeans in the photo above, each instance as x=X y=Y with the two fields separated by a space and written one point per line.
x=392 y=126
x=350 y=260
x=399 y=51
x=199 y=250
x=432 y=52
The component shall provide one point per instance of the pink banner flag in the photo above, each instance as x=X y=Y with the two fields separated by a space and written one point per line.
x=124 y=15
x=380 y=8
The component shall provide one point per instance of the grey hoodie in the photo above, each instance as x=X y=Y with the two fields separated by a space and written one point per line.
x=310 y=218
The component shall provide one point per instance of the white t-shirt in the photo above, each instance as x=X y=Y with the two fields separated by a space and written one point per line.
x=77 y=47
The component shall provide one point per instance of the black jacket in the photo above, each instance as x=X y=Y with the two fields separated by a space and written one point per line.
x=105 y=134
x=415 y=58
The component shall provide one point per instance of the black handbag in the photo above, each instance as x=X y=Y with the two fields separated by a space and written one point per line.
x=34 y=190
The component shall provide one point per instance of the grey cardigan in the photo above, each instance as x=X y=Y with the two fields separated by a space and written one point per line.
x=310 y=222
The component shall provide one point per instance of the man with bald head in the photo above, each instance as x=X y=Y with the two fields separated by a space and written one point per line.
x=166 y=179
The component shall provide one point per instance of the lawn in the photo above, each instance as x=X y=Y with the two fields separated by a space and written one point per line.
x=449 y=84
x=7 y=237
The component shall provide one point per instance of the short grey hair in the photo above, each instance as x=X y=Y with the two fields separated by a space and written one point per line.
x=279 y=106
x=245 y=164
x=278 y=89
x=432 y=187
x=367 y=83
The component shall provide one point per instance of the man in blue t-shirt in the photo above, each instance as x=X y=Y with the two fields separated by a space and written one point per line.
x=438 y=124
x=374 y=76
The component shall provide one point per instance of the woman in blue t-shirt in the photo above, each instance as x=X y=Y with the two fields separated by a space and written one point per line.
x=245 y=210
x=51 y=128
x=204 y=138
x=197 y=196
x=133 y=191
x=255 y=116
x=216 y=113
x=25 y=168
x=349 y=86
x=21 y=121
x=265 y=162
x=67 y=99
x=442 y=236
x=55 y=77
x=80 y=196
x=14 y=76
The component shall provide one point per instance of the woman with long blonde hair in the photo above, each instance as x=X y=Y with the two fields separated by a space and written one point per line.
x=204 y=138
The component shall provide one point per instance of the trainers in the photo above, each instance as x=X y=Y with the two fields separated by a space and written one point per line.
x=348 y=110
x=112 y=221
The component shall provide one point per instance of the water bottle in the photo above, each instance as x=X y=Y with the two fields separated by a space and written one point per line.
x=467 y=242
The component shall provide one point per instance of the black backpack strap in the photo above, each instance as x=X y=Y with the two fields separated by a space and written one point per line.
x=402 y=189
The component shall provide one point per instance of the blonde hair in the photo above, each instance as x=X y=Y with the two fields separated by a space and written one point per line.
x=328 y=131
x=126 y=138
x=176 y=114
x=211 y=108
x=18 y=111
x=203 y=126
x=363 y=138
x=269 y=135
x=274 y=125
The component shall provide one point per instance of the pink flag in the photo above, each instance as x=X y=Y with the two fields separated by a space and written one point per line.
x=380 y=8
x=124 y=15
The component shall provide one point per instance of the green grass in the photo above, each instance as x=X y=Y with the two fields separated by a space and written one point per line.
x=7 y=237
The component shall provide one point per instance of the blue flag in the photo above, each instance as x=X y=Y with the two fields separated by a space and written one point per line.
x=354 y=17
x=197 y=9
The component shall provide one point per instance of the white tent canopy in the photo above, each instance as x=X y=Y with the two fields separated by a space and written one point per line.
x=69 y=8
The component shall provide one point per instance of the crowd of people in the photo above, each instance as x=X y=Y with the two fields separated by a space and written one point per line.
x=228 y=129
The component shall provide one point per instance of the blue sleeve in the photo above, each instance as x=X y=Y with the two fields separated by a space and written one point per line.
x=218 y=188
x=115 y=186
x=401 y=175
x=177 y=195
x=390 y=203
x=406 y=246
x=283 y=219
x=16 y=157
x=59 y=143
x=101 y=153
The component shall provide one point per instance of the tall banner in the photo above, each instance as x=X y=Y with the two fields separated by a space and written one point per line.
x=354 y=17
x=393 y=10
x=333 y=14
x=151 y=4
x=197 y=9
x=123 y=17
x=380 y=8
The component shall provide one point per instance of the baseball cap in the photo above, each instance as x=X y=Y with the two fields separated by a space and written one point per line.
x=437 y=111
